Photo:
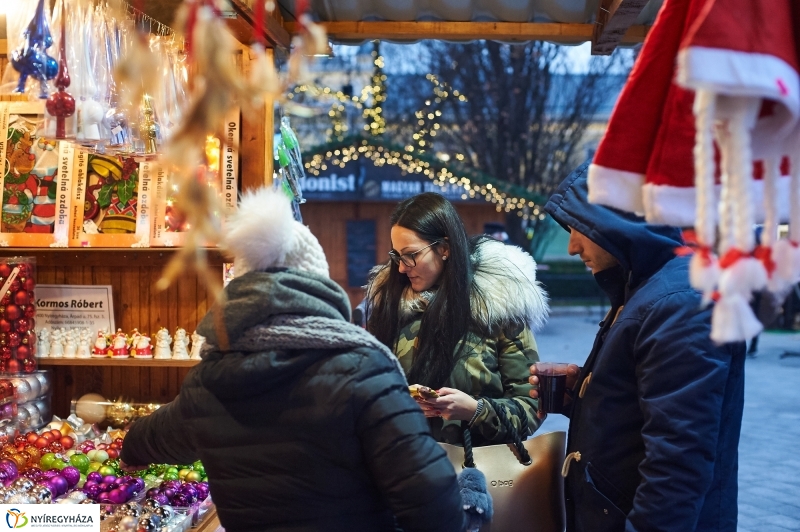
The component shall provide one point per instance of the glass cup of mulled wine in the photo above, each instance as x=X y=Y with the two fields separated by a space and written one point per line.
x=552 y=386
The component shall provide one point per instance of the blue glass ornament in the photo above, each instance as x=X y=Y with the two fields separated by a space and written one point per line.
x=31 y=58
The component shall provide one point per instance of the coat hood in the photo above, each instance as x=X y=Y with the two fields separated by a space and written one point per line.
x=504 y=288
x=251 y=300
x=641 y=248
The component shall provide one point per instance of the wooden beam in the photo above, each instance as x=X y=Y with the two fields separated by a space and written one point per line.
x=257 y=133
x=506 y=31
x=3 y=46
x=242 y=26
x=614 y=17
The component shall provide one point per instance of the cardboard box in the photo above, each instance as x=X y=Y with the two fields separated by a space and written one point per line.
x=36 y=180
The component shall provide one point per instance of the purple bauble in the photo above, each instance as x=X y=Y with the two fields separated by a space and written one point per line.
x=171 y=484
x=189 y=491
x=72 y=475
x=33 y=473
x=94 y=476
x=92 y=490
x=103 y=497
x=139 y=484
x=180 y=501
x=9 y=470
x=50 y=473
x=58 y=485
x=117 y=496
x=202 y=491
x=110 y=479
x=125 y=479
x=152 y=492
x=169 y=492
x=161 y=499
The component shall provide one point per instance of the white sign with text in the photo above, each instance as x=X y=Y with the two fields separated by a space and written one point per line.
x=70 y=306
x=50 y=517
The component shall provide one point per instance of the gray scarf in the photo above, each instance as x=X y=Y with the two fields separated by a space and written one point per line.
x=290 y=332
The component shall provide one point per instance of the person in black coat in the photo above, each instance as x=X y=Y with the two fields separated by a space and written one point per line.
x=656 y=409
x=303 y=421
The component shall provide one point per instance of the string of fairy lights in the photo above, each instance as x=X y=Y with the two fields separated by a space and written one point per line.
x=414 y=158
x=409 y=162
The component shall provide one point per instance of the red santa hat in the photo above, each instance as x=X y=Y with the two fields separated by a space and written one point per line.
x=699 y=137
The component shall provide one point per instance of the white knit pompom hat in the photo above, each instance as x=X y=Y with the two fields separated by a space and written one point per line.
x=262 y=233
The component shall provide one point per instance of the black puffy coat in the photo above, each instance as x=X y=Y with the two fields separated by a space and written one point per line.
x=302 y=440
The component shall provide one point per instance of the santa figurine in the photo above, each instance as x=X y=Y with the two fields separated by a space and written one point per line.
x=197 y=345
x=180 y=347
x=119 y=347
x=100 y=345
x=163 y=339
x=142 y=347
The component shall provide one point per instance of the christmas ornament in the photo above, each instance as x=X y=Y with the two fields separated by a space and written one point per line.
x=61 y=104
x=31 y=59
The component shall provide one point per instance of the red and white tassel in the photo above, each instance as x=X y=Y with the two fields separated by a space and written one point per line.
x=742 y=274
x=703 y=267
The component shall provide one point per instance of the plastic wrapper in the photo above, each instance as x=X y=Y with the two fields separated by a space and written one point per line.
x=32 y=60
x=17 y=315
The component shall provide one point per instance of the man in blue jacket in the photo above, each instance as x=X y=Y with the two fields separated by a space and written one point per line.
x=656 y=409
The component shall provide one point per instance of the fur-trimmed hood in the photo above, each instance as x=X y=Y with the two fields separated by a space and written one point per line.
x=504 y=288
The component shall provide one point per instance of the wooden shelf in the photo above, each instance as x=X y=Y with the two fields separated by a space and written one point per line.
x=111 y=257
x=137 y=362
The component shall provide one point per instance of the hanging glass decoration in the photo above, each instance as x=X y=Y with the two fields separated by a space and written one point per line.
x=31 y=59
x=61 y=104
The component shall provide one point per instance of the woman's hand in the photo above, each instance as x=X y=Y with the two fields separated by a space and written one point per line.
x=451 y=404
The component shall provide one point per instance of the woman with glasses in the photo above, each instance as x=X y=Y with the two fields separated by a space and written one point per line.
x=459 y=314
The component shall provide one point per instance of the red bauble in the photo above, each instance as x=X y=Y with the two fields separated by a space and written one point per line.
x=23 y=352
x=31 y=437
x=41 y=442
x=29 y=284
x=5 y=270
x=21 y=297
x=20 y=325
x=13 y=312
x=31 y=324
x=15 y=286
x=5 y=353
x=30 y=311
x=13 y=339
x=67 y=442
x=13 y=366
x=29 y=365
x=5 y=325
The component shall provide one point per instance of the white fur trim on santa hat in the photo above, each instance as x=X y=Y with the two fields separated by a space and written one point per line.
x=616 y=188
x=671 y=205
x=737 y=73
x=262 y=233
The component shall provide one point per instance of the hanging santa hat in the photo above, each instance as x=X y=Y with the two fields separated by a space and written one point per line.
x=693 y=161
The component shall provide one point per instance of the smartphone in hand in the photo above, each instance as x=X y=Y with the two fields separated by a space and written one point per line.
x=423 y=392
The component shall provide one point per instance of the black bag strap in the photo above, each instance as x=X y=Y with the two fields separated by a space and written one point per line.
x=524 y=456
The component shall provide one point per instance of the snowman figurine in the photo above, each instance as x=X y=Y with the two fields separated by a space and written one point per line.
x=163 y=339
x=180 y=347
x=43 y=346
x=197 y=345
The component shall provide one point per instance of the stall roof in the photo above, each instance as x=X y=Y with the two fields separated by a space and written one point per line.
x=606 y=23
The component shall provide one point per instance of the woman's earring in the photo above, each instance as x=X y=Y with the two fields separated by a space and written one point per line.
x=444 y=257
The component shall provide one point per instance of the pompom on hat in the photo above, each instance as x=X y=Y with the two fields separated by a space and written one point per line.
x=262 y=233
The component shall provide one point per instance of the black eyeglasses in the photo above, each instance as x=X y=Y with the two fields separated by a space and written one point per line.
x=408 y=258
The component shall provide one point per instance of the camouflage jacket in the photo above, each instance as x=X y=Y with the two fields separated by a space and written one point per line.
x=510 y=302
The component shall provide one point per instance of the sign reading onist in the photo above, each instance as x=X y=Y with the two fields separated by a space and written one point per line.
x=69 y=306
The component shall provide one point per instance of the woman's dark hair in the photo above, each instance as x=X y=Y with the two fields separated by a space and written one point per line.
x=447 y=318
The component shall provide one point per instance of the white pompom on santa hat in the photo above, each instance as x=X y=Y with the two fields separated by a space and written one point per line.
x=262 y=233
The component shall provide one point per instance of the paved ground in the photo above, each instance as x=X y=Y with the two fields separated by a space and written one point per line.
x=769 y=452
